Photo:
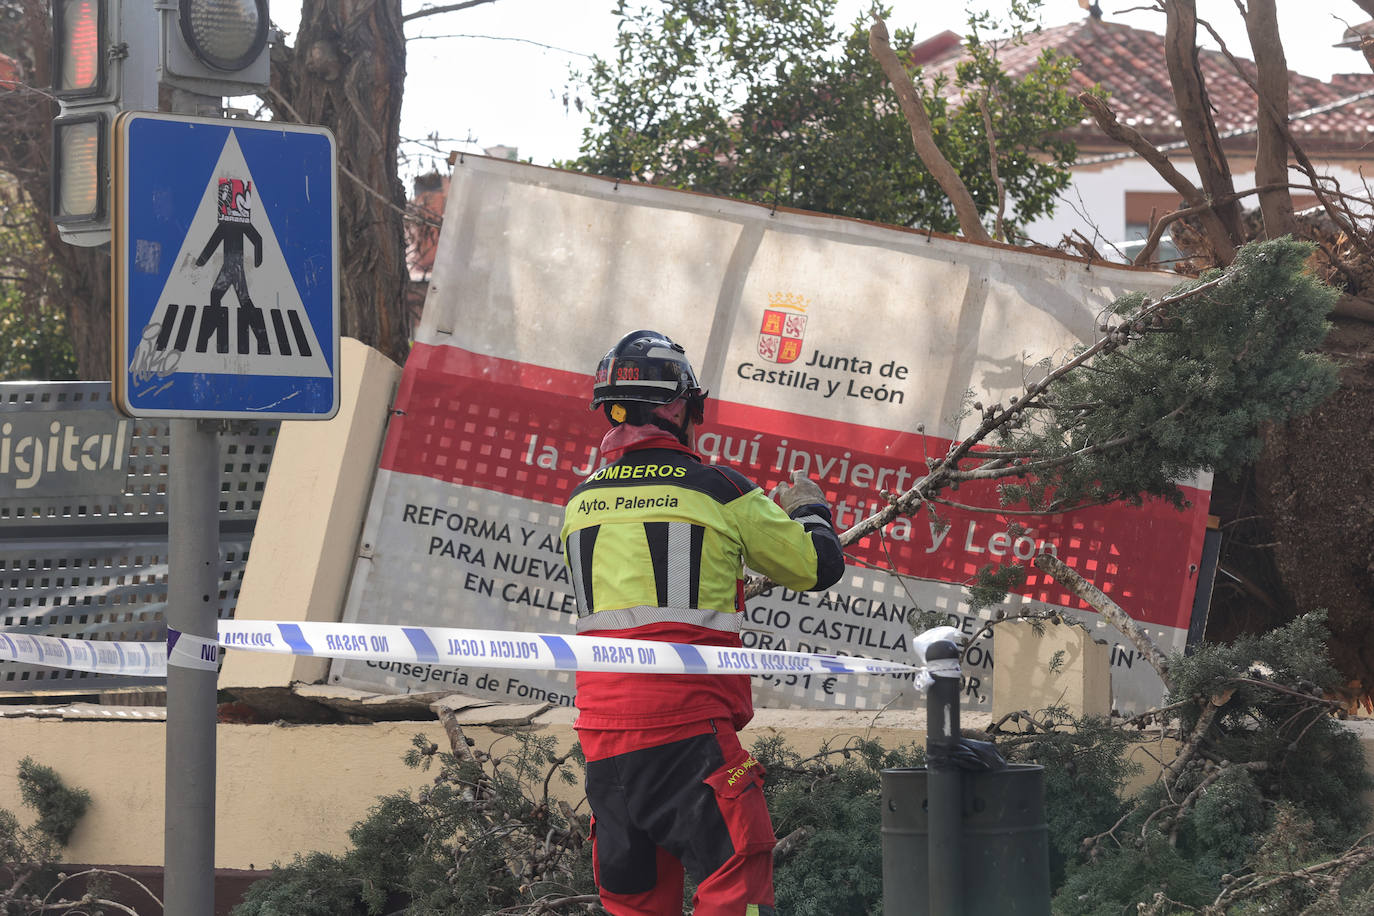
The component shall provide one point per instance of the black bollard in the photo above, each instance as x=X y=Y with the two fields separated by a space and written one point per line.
x=945 y=787
x=965 y=810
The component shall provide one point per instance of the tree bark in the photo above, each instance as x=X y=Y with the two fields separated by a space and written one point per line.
x=1195 y=113
x=346 y=73
x=922 y=137
x=86 y=296
x=78 y=278
x=1271 y=155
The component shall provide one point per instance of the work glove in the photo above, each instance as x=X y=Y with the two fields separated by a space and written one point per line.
x=802 y=491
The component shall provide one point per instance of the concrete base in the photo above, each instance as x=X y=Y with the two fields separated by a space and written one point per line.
x=1062 y=666
x=306 y=539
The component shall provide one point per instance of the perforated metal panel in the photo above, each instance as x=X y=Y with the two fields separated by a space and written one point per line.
x=83 y=522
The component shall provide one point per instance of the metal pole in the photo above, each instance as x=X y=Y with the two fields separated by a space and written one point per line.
x=193 y=568
x=192 y=608
x=944 y=785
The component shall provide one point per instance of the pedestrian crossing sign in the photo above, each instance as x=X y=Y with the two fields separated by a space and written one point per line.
x=225 y=252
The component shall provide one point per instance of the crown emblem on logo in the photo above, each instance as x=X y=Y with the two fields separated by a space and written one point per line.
x=794 y=301
x=780 y=335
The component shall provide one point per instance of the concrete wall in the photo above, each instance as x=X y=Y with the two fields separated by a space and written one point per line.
x=312 y=513
x=1062 y=665
x=279 y=789
x=288 y=789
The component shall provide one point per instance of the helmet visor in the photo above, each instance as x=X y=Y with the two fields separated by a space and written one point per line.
x=650 y=379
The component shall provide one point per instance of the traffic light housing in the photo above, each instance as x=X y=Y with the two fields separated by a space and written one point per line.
x=216 y=47
x=109 y=56
x=102 y=63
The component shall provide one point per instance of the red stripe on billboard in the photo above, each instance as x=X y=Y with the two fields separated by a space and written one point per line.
x=525 y=430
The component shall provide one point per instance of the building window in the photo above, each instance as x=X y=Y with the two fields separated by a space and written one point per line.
x=1144 y=206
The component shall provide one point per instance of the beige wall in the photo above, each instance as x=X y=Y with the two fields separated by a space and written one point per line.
x=1062 y=665
x=287 y=789
x=280 y=789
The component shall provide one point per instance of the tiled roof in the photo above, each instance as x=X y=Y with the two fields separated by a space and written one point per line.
x=1129 y=63
x=431 y=193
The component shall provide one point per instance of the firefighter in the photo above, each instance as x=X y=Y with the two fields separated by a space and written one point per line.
x=656 y=543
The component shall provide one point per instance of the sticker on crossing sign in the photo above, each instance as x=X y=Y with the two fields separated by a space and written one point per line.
x=226 y=293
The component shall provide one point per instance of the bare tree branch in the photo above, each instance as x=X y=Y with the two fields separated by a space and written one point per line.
x=1223 y=249
x=788 y=844
x=997 y=231
x=446 y=8
x=1110 y=611
x=1195 y=112
x=1157 y=231
x=1210 y=708
x=1338 y=209
x=1271 y=154
x=1252 y=885
x=922 y=137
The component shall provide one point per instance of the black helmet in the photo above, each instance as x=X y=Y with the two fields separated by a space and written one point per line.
x=646 y=367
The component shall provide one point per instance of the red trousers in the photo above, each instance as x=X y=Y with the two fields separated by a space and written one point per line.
x=692 y=805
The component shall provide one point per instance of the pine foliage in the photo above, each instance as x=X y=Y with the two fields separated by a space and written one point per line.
x=829 y=801
x=1259 y=814
x=1181 y=389
x=30 y=883
x=1262 y=811
x=59 y=806
x=484 y=836
x=1308 y=757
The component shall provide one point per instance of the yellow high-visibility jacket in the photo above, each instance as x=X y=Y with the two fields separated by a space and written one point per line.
x=656 y=544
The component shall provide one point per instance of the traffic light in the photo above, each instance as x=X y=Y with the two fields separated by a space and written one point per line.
x=102 y=63
x=215 y=47
x=109 y=56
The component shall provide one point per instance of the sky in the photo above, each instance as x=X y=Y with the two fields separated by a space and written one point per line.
x=497 y=74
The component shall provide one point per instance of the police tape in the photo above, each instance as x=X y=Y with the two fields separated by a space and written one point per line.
x=438 y=646
x=139 y=659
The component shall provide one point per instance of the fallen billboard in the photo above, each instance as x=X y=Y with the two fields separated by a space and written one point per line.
x=844 y=349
